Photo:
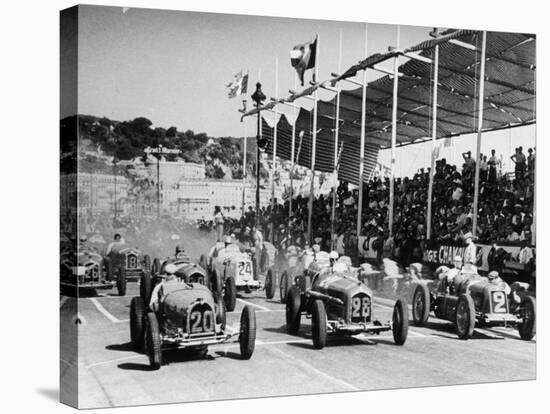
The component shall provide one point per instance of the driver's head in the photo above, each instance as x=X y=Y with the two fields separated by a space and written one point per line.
x=457 y=262
x=170 y=269
x=492 y=276
x=333 y=256
x=179 y=249
x=227 y=240
x=83 y=239
x=118 y=237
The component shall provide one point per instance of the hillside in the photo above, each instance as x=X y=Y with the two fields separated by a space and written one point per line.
x=126 y=140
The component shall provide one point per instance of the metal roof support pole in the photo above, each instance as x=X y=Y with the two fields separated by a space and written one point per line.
x=271 y=233
x=336 y=132
x=313 y=148
x=393 y=133
x=434 y=136
x=479 y=127
x=362 y=150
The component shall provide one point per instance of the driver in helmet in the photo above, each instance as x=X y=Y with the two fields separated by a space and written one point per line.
x=83 y=242
x=168 y=276
x=452 y=276
x=180 y=253
x=495 y=279
x=333 y=257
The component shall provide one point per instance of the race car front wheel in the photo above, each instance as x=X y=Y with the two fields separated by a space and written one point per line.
x=137 y=313
x=400 y=322
x=247 y=337
x=319 y=324
x=270 y=283
x=230 y=295
x=465 y=316
x=527 y=328
x=121 y=281
x=421 y=305
x=152 y=339
x=293 y=309
x=284 y=286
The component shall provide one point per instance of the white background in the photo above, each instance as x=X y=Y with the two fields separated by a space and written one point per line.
x=29 y=231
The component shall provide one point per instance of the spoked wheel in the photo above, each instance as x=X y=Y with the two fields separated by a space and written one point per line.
x=221 y=315
x=421 y=305
x=319 y=324
x=270 y=282
x=465 y=316
x=137 y=313
x=155 y=267
x=152 y=339
x=527 y=309
x=400 y=322
x=247 y=337
x=292 y=310
x=147 y=263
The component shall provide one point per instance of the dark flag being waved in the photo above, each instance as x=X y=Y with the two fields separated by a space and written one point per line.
x=238 y=85
x=302 y=57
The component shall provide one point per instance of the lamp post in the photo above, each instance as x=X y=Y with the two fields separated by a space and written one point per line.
x=115 y=160
x=159 y=151
x=258 y=97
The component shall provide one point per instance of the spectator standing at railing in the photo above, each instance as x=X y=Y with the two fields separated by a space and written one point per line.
x=519 y=160
x=493 y=163
x=531 y=162
x=525 y=255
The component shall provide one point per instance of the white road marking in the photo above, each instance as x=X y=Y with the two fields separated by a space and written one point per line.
x=317 y=371
x=62 y=301
x=104 y=311
x=111 y=361
x=253 y=304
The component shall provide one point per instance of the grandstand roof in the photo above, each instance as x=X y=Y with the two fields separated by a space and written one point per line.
x=509 y=98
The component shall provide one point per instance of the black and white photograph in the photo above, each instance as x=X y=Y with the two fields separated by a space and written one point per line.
x=256 y=206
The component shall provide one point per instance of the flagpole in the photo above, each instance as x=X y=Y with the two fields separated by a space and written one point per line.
x=293 y=145
x=336 y=155
x=394 y=131
x=434 y=135
x=271 y=235
x=362 y=150
x=257 y=221
x=313 y=144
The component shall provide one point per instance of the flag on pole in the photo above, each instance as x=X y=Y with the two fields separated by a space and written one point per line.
x=302 y=57
x=238 y=85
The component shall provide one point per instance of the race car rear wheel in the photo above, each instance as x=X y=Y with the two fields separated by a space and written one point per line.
x=270 y=283
x=230 y=295
x=319 y=324
x=108 y=268
x=147 y=263
x=247 y=337
x=465 y=316
x=293 y=311
x=137 y=313
x=284 y=286
x=400 y=322
x=145 y=288
x=421 y=305
x=152 y=340
x=527 y=329
x=215 y=283
x=121 y=281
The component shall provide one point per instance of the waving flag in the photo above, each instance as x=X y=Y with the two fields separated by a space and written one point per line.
x=302 y=57
x=238 y=85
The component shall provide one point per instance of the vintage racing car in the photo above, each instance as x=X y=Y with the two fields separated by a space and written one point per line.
x=471 y=300
x=337 y=302
x=186 y=315
x=126 y=263
x=185 y=269
x=83 y=270
x=231 y=269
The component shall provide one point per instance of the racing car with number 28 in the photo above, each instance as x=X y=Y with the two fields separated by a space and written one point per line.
x=337 y=302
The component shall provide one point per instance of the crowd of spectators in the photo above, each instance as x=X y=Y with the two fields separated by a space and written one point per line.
x=505 y=210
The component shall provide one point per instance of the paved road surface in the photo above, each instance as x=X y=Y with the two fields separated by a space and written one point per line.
x=111 y=374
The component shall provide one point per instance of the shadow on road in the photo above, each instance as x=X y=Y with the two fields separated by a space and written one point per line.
x=50 y=393
x=132 y=366
x=281 y=329
x=231 y=355
x=121 y=347
x=333 y=341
